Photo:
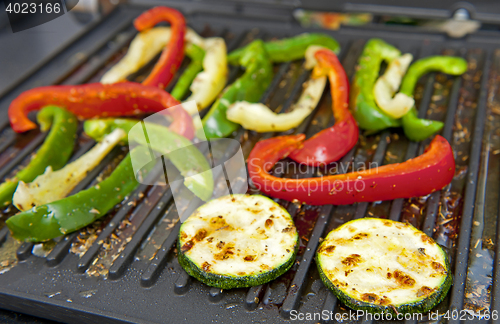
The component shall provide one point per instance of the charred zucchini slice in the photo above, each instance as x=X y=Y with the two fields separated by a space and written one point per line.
x=237 y=241
x=383 y=266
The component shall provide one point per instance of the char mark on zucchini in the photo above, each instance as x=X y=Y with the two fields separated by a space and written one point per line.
x=238 y=241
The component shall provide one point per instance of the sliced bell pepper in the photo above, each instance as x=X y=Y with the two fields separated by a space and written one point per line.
x=54 y=185
x=289 y=49
x=420 y=176
x=368 y=115
x=331 y=144
x=205 y=85
x=173 y=54
x=249 y=87
x=260 y=118
x=69 y=214
x=143 y=48
x=210 y=82
x=417 y=129
x=100 y=100
x=387 y=85
x=54 y=152
x=181 y=152
x=196 y=54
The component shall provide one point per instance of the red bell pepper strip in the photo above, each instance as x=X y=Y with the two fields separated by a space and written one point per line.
x=100 y=100
x=173 y=54
x=420 y=176
x=331 y=144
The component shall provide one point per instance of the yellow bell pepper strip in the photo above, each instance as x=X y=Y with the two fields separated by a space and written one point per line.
x=417 y=129
x=249 y=87
x=54 y=185
x=191 y=163
x=196 y=54
x=387 y=85
x=260 y=118
x=210 y=82
x=143 y=48
x=72 y=213
x=289 y=49
x=54 y=152
x=368 y=115
x=332 y=143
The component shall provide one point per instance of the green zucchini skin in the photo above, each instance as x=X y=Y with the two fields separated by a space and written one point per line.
x=421 y=306
x=230 y=280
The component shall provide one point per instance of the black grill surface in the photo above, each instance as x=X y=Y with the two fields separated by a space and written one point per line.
x=123 y=268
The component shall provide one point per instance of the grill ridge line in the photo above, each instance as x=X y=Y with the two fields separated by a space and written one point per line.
x=127 y=206
x=152 y=271
x=125 y=258
x=462 y=255
x=9 y=137
x=433 y=204
x=22 y=154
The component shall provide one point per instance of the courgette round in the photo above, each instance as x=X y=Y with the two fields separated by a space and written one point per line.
x=238 y=241
x=384 y=266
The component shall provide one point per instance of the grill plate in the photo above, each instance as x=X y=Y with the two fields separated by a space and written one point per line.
x=145 y=284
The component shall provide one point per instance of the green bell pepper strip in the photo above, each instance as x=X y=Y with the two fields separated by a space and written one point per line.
x=289 y=49
x=196 y=54
x=55 y=150
x=69 y=214
x=182 y=153
x=249 y=87
x=417 y=129
x=365 y=110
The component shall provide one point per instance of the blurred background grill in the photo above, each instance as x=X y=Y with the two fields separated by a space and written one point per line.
x=123 y=268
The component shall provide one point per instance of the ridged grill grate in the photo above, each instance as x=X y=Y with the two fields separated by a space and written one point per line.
x=123 y=268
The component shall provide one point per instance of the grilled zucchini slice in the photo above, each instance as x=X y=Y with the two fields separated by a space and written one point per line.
x=383 y=266
x=238 y=241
